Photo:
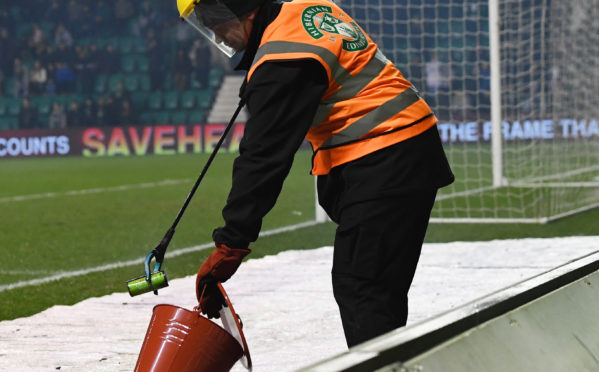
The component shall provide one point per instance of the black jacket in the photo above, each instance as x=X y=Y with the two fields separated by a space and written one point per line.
x=282 y=98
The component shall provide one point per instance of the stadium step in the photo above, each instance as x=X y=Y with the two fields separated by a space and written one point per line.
x=226 y=101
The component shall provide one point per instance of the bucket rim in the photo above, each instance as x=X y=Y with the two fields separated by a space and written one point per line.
x=228 y=312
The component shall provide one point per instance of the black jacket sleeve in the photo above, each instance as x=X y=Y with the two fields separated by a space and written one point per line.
x=282 y=98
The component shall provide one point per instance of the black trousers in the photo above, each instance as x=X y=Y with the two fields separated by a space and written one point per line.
x=375 y=258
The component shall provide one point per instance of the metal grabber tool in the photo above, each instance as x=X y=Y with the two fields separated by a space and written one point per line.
x=153 y=280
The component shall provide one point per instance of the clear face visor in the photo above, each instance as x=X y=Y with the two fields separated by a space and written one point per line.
x=210 y=21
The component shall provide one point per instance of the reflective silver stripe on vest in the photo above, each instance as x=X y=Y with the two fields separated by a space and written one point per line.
x=340 y=74
x=350 y=85
x=371 y=120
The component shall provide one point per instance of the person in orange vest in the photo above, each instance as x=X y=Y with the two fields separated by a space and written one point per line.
x=313 y=73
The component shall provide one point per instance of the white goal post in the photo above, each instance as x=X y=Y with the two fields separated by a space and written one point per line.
x=515 y=84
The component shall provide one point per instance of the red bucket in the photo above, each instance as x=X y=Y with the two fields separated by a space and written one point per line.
x=180 y=340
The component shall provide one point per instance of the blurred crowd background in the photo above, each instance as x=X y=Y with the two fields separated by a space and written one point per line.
x=70 y=63
x=79 y=63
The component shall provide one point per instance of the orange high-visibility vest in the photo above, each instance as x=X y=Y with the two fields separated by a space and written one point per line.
x=368 y=105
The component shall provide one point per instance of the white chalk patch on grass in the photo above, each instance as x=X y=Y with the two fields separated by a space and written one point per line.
x=285 y=301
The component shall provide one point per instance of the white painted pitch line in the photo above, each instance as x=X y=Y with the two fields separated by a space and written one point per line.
x=27 y=272
x=96 y=190
x=115 y=265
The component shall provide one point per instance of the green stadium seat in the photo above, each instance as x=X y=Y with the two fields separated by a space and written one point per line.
x=43 y=121
x=114 y=80
x=139 y=45
x=43 y=104
x=205 y=98
x=15 y=13
x=179 y=117
x=100 y=84
x=215 y=77
x=188 y=100
x=128 y=63
x=144 y=82
x=3 y=107
x=155 y=101
x=69 y=98
x=8 y=122
x=9 y=86
x=196 y=117
x=131 y=82
x=47 y=27
x=125 y=45
x=147 y=118
x=162 y=117
x=14 y=107
x=23 y=29
x=171 y=100
x=143 y=65
x=139 y=98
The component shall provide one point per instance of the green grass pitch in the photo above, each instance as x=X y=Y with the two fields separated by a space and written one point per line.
x=60 y=215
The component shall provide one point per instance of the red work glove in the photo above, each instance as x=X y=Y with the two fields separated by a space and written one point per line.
x=218 y=267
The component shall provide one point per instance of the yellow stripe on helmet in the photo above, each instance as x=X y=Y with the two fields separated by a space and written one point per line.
x=186 y=7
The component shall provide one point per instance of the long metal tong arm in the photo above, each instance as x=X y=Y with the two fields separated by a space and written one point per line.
x=210 y=159
x=160 y=250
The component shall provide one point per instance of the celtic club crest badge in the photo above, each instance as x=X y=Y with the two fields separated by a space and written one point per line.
x=318 y=20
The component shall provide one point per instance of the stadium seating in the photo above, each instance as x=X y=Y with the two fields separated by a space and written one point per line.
x=153 y=106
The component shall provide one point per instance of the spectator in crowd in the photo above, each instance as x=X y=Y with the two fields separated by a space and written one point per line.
x=50 y=89
x=7 y=21
x=415 y=72
x=89 y=113
x=182 y=69
x=110 y=61
x=38 y=37
x=74 y=115
x=21 y=75
x=484 y=89
x=58 y=118
x=199 y=58
x=7 y=52
x=38 y=78
x=437 y=75
x=147 y=18
x=183 y=33
x=110 y=112
x=120 y=93
x=100 y=112
x=123 y=11
x=27 y=115
x=87 y=28
x=84 y=69
x=65 y=79
x=460 y=105
x=126 y=115
x=154 y=53
x=102 y=16
x=48 y=59
x=65 y=54
x=63 y=36
x=55 y=12
x=75 y=15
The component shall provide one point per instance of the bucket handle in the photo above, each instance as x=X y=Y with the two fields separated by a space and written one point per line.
x=231 y=323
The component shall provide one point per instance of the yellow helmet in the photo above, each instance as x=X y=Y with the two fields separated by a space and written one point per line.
x=205 y=15
x=185 y=7
x=237 y=7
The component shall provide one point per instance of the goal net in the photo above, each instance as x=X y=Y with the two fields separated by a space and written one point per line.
x=517 y=98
